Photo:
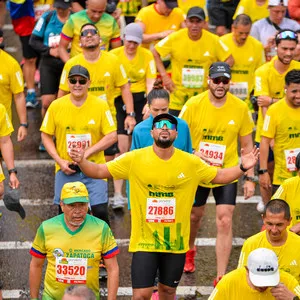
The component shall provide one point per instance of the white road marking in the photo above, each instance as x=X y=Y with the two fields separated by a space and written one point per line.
x=127 y=291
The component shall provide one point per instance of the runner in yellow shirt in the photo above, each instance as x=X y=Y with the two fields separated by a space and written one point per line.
x=269 y=88
x=260 y=279
x=255 y=9
x=158 y=20
x=161 y=203
x=140 y=68
x=248 y=55
x=191 y=50
x=289 y=191
x=276 y=237
x=217 y=121
x=282 y=123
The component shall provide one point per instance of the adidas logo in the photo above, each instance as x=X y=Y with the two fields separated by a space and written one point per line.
x=141 y=71
x=206 y=53
x=181 y=175
x=107 y=74
x=92 y=122
x=250 y=58
x=231 y=122
x=293 y=263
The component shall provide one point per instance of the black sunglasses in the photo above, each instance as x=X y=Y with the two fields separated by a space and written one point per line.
x=82 y=81
x=218 y=80
x=90 y=31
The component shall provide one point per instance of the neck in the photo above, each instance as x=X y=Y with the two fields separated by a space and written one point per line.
x=92 y=55
x=163 y=153
x=279 y=242
x=280 y=67
x=70 y=226
x=217 y=102
x=78 y=101
x=130 y=55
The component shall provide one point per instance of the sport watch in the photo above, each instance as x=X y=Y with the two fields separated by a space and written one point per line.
x=14 y=170
x=131 y=114
x=262 y=171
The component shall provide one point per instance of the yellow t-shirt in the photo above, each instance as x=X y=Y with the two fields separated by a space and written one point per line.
x=288 y=254
x=268 y=82
x=289 y=191
x=162 y=195
x=247 y=59
x=106 y=74
x=138 y=69
x=129 y=8
x=185 y=5
x=250 y=8
x=190 y=61
x=234 y=286
x=107 y=27
x=85 y=125
x=215 y=130
x=11 y=80
x=6 y=128
x=155 y=22
x=282 y=123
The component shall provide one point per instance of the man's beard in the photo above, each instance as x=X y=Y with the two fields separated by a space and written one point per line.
x=164 y=143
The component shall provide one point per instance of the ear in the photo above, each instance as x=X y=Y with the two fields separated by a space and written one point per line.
x=61 y=206
x=208 y=81
x=151 y=132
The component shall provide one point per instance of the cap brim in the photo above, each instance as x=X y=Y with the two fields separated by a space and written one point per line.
x=215 y=75
x=76 y=199
x=195 y=16
x=171 y=4
x=266 y=280
x=12 y=202
x=132 y=38
x=78 y=74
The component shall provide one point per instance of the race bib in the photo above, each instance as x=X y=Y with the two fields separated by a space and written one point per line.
x=239 y=89
x=192 y=77
x=290 y=159
x=214 y=152
x=71 y=270
x=161 y=210
x=40 y=9
x=53 y=41
x=78 y=141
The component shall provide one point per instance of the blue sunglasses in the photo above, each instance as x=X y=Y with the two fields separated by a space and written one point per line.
x=162 y=123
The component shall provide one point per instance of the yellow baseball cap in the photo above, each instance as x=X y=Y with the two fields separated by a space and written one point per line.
x=74 y=192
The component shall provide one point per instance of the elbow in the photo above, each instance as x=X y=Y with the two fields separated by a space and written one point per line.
x=114 y=138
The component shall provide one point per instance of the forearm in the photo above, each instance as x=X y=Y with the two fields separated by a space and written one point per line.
x=50 y=147
x=7 y=151
x=61 y=93
x=247 y=145
x=159 y=64
x=113 y=283
x=149 y=84
x=37 y=44
x=62 y=51
x=21 y=107
x=227 y=175
x=127 y=98
x=148 y=38
x=103 y=144
x=264 y=152
x=35 y=278
x=93 y=170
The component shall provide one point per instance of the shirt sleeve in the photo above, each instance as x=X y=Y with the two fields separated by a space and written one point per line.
x=205 y=172
x=48 y=125
x=223 y=51
x=151 y=67
x=247 y=123
x=63 y=84
x=108 y=125
x=6 y=127
x=269 y=127
x=164 y=47
x=261 y=83
x=67 y=32
x=38 y=248
x=110 y=248
x=16 y=78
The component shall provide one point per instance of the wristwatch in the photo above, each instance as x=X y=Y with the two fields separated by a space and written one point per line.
x=14 y=170
x=296 y=298
x=131 y=114
x=24 y=125
x=262 y=171
x=242 y=168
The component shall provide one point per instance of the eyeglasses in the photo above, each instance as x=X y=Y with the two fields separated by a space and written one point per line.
x=218 y=80
x=90 y=31
x=162 y=123
x=82 y=81
x=287 y=35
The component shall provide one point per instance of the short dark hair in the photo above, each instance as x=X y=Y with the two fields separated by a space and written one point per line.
x=292 y=76
x=88 y=24
x=158 y=91
x=277 y=206
x=242 y=19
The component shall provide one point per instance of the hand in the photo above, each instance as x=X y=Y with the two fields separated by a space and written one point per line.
x=264 y=101
x=250 y=159
x=295 y=228
x=54 y=52
x=249 y=189
x=64 y=166
x=22 y=133
x=168 y=83
x=265 y=181
x=129 y=124
x=202 y=156
x=165 y=33
x=77 y=154
x=146 y=112
x=13 y=181
x=281 y=292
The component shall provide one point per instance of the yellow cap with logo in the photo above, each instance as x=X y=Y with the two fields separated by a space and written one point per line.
x=74 y=192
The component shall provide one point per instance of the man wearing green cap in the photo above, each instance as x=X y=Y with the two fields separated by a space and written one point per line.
x=73 y=243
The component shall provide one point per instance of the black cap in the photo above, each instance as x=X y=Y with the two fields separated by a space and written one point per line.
x=110 y=7
x=196 y=12
x=171 y=3
x=169 y=117
x=219 y=69
x=11 y=201
x=64 y=4
x=79 y=71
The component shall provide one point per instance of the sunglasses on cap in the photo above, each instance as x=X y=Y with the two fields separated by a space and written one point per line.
x=287 y=35
x=81 y=81
x=162 y=123
x=218 y=80
x=91 y=31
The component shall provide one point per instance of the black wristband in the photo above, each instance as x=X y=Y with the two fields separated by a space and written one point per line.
x=296 y=298
x=14 y=170
x=24 y=125
x=242 y=168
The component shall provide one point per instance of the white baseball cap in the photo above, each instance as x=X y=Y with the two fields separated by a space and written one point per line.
x=278 y=2
x=263 y=267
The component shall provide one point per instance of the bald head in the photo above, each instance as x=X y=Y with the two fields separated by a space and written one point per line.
x=95 y=9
